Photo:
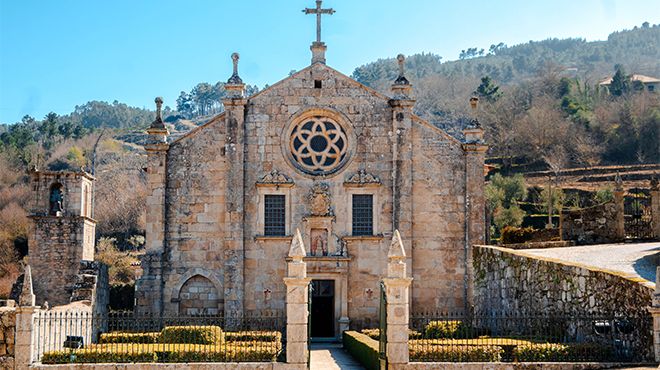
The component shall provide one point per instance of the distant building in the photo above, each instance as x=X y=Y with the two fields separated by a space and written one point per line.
x=650 y=83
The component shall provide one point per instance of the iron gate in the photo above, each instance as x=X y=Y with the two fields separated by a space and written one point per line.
x=637 y=210
x=382 y=325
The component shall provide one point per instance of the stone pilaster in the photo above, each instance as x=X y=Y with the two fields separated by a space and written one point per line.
x=234 y=104
x=655 y=207
x=397 y=286
x=402 y=152
x=475 y=200
x=149 y=298
x=655 y=312
x=620 y=231
x=297 y=303
x=24 y=347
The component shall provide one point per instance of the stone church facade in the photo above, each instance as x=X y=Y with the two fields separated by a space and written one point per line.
x=320 y=153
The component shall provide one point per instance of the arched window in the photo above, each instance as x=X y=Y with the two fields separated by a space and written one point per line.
x=198 y=296
x=56 y=199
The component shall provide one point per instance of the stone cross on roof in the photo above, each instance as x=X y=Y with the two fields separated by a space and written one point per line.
x=235 y=79
x=158 y=122
x=318 y=11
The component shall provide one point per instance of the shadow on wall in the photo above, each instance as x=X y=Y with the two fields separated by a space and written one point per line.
x=646 y=266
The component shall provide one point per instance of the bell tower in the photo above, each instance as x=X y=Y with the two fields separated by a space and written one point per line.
x=62 y=232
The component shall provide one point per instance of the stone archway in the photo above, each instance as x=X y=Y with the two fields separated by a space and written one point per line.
x=199 y=296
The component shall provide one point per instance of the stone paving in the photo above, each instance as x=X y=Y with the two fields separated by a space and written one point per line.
x=331 y=356
x=637 y=259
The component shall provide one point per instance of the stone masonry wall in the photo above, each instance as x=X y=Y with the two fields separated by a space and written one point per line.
x=7 y=332
x=515 y=282
x=594 y=225
x=55 y=251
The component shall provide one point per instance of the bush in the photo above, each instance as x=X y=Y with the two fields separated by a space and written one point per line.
x=192 y=334
x=563 y=352
x=446 y=329
x=228 y=355
x=65 y=357
x=375 y=334
x=129 y=338
x=254 y=336
x=362 y=348
x=515 y=235
x=456 y=353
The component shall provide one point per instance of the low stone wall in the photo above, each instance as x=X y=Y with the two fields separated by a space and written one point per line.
x=540 y=245
x=512 y=281
x=593 y=225
x=507 y=366
x=7 y=333
x=191 y=366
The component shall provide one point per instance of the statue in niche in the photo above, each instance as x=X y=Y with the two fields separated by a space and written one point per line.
x=319 y=239
x=56 y=200
x=319 y=200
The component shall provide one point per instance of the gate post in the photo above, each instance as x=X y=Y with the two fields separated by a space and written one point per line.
x=655 y=207
x=397 y=286
x=655 y=312
x=620 y=229
x=24 y=345
x=297 y=298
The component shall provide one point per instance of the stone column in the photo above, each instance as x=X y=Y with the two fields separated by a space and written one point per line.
x=402 y=152
x=24 y=348
x=655 y=207
x=655 y=312
x=234 y=104
x=620 y=229
x=297 y=303
x=24 y=345
x=397 y=286
x=148 y=292
x=475 y=200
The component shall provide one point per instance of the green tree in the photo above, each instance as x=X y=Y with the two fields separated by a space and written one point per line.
x=620 y=84
x=488 y=90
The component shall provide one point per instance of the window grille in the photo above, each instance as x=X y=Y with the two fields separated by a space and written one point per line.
x=274 y=215
x=363 y=216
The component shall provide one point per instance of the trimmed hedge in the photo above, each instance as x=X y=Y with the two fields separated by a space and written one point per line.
x=457 y=353
x=563 y=352
x=375 y=334
x=253 y=355
x=362 y=348
x=65 y=357
x=253 y=336
x=192 y=334
x=107 y=338
x=446 y=329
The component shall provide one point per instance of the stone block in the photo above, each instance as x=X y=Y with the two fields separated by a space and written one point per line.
x=297 y=352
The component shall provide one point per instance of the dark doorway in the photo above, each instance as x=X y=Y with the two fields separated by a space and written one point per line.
x=323 y=308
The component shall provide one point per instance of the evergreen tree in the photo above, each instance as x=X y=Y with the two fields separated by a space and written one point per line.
x=620 y=84
x=488 y=90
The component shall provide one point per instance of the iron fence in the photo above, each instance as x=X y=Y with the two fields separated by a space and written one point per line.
x=84 y=337
x=513 y=337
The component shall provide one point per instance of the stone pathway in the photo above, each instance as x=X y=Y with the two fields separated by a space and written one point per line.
x=331 y=356
x=636 y=259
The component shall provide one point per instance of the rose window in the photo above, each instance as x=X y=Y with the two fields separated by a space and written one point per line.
x=318 y=145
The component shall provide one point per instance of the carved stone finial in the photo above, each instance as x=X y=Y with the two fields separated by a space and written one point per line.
x=27 y=297
x=297 y=248
x=158 y=122
x=319 y=200
x=618 y=182
x=474 y=104
x=401 y=79
x=396 y=247
x=235 y=79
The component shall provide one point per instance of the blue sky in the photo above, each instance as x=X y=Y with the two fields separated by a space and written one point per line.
x=56 y=54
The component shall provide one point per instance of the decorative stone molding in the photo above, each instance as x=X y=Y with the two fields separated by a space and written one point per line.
x=319 y=200
x=361 y=179
x=275 y=178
